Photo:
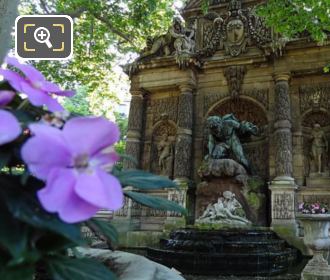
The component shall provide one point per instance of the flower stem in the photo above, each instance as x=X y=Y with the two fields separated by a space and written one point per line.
x=23 y=104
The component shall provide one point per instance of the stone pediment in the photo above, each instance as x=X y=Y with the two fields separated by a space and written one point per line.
x=230 y=27
x=234 y=30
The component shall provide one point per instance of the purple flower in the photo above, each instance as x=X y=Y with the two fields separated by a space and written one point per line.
x=74 y=163
x=5 y=97
x=9 y=127
x=34 y=85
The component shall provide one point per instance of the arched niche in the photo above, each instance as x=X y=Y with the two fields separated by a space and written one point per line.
x=320 y=116
x=162 y=148
x=242 y=108
x=256 y=148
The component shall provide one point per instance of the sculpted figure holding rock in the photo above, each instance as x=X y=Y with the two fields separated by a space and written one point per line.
x=319 y=148
x=183 y=37
x=224 y=142
x=178 y=38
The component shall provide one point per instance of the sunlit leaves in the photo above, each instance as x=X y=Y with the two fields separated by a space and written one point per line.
x=293 y=17
x=104 y=33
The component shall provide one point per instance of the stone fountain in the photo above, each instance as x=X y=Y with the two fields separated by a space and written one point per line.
x=230 y=210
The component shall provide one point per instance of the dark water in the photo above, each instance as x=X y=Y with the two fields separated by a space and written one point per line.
x=257 y=253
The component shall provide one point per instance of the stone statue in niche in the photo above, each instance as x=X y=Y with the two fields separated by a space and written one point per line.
x=224 y=142
x=178 y=39
x=165 y=152
x=319 y=148
x=226 y=211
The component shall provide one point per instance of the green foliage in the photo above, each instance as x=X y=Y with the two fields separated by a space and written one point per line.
x=122 y=122
x=78 y=104
x=29 y=235
x=293 y=17
x=155 y=202
x=107 y=229
x=143 y=180
x=106 y=34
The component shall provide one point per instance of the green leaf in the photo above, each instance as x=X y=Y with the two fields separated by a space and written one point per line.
x=62 y=268
x=107 y=229
x=155 y=202
x=5 y=155
x=53 y=242
x=23 y=116
x=17 y=273
x=25 y=207
x=13 y=234
x=143 y=180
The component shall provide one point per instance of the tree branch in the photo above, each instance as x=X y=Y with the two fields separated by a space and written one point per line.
x=77 y=13
x=44 y=6
x=112 y=28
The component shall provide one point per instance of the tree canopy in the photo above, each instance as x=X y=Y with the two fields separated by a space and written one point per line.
x=294 y=17
x=106 y=34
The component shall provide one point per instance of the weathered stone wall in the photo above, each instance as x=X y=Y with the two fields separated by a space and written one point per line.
x=283 y=90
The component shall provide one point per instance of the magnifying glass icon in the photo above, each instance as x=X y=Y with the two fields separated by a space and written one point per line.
x=41 y=35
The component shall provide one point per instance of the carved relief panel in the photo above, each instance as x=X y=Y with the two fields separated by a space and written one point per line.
x=164 y=107
x=283 y=206
x=236 y=30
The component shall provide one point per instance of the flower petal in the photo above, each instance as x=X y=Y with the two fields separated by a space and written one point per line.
x=59 y=186
x=67 y=93
x=89 y=135
x=29 y=71
x=100 y=189
x=38 y=98
x=10 y=128
x=59 y=196
x=14 y=79
x=49 y=86
x=6 y=96
x=77 y=210
x=45 y=151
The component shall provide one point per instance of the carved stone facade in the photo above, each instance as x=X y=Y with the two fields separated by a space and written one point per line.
x=283 y=206
x=282 y=134
x=241 y=70
x=235 y=76
x=235 y=31
x=134 y=130
x=183 y=148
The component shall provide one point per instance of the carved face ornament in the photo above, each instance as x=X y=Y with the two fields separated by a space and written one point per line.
x=235 y=31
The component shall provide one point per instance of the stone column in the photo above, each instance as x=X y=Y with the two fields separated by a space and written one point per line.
x=183 y=146
x=183 y=155
x=282 y=126
x=135 y=127
x=283 y=187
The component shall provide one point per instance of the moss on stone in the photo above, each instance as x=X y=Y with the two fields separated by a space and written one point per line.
x=255 y=184
x=289 y=234
x=254 y=200
x=137 y=239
